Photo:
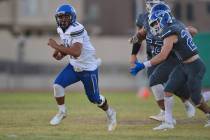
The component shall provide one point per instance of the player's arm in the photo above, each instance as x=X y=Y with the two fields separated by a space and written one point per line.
x=137 y=39
x=74 y=50
x=167 y=47
x=140 y=36
x=192 y=30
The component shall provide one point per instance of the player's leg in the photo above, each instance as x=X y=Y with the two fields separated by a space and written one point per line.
x=176 y=79
x=199 y=102
x=158 y=93
x=159 y=76
x=184 y=95
x=65 y=78
x=90 y=82
x=196 y=72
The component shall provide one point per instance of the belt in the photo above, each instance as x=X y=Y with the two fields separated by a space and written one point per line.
x=191 y=59
x=77 y=69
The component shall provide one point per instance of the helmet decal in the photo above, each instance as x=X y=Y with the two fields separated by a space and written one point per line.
x=159 y=17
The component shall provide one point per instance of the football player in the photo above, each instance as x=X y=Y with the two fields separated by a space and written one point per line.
x=158 y=75
x=189 y=72
x=82 y=66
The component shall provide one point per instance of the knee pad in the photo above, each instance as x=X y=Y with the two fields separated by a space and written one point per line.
x=158 y=92
x=58 y=91
x=102 y=99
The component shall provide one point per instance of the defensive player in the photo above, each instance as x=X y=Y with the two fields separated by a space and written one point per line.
x=158 y=75
x=189 y=72
x=82 y=66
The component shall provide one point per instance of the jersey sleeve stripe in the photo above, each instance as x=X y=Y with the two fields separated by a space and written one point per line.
x=77 y=33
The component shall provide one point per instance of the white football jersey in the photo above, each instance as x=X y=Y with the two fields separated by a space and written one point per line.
x=77 y=33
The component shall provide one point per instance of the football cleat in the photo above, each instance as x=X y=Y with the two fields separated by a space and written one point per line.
x=190 y=110
x=58 y=118
x=112 y=121
x=208 y=121
x=164 y=126
x=159 y=117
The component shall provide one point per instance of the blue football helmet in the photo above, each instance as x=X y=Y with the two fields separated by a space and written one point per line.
x=151 y=3
x=65 y=16
x=159 y=17
x=160 y=7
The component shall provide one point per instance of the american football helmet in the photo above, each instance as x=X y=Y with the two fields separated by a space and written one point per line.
x=159 y=17
x=65 y=16
x=160 y=7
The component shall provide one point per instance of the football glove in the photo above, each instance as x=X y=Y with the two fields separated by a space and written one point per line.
x=138 y=67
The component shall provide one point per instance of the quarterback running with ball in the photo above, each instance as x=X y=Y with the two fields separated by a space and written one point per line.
x=82 y=66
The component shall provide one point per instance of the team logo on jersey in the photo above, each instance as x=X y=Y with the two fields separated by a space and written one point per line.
x=66 y=42
x=156 y=50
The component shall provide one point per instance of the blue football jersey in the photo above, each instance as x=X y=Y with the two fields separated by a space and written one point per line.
x=184 y=48
x=154 y=43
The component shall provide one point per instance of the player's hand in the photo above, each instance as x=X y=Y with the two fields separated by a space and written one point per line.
x=52 y=43
x=138 y=67
x=58 y=55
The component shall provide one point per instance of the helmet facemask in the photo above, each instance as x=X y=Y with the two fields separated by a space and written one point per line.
x=155 y=28
x=63 y=20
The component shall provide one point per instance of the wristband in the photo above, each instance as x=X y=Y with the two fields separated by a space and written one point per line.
x=147 y=64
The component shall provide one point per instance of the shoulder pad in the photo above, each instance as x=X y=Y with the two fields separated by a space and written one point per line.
x=59 y=30
x=76 y=30
x=172 y=29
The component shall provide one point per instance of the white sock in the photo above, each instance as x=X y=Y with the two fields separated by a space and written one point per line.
x=62 y=108
x=162 y=111
x=109 y=111
x=206 y=96
x=168 y=101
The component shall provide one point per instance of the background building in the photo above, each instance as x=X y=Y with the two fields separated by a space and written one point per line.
x=26 y=25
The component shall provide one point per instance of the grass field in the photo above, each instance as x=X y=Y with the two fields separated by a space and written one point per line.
x=25 y=116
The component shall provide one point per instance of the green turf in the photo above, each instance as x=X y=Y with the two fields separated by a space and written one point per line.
x=25 y=116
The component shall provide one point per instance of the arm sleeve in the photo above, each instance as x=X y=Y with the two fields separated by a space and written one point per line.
x=135 y=48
